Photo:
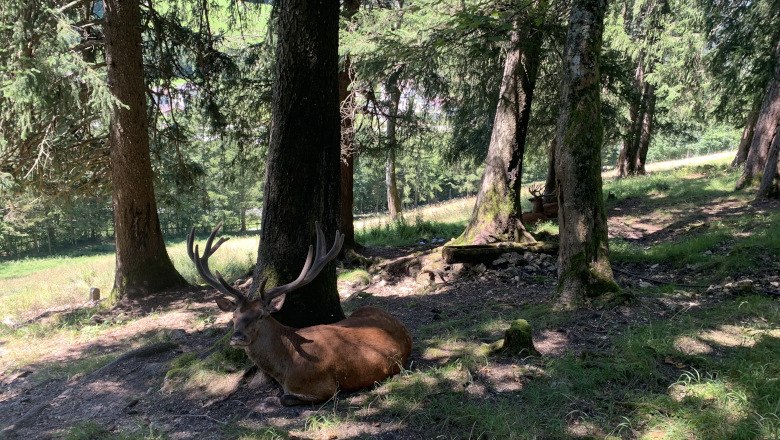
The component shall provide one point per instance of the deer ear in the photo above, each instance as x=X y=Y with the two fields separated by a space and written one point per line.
x=225 y=305
x=276 y=304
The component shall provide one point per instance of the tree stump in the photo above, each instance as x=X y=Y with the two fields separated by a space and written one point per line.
x=518 y=341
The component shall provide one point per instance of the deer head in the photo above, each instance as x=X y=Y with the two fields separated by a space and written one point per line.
x=252 y=307
x=537 y=191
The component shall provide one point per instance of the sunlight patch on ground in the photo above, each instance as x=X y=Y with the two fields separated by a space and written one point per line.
x=691 y=346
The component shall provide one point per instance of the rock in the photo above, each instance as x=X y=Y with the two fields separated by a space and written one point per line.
x=644 y=284
x=708 y=252
x=94 y=294
x=775 y=283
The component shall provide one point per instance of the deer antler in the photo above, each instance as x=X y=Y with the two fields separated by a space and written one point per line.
x=202 y=264
x=315 y=262
x=536 y=190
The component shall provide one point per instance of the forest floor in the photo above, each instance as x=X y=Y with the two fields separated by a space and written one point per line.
x=689 y=350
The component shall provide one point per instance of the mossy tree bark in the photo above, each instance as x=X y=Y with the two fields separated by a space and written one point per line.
x=497 y=212
x=302 y=170
x=348 y=147
x=583 y=263
x=142 y=262
x=765 y=128
x=770 y=180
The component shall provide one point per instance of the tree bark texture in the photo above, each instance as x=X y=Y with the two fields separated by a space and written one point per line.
x=770 y=180
x=497 y=212
x=765 y=129
x=583 y=260
x=747 y=136
x=142 y=262
x=646 y=132
x=394 y=206
x=302 y=170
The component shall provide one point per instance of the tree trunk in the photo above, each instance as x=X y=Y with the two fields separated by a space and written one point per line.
x=497 y=212
x=348 y=147
x=583 y=264
x=142 y=263
x=648 y=116
x=394 y=207
x=302 y=169
x=629 y=152
x=747 y=136
x=771 y=174
x=766 y=126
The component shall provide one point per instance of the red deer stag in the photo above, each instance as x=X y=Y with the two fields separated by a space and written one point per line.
x=313 y=363
x=549 y=209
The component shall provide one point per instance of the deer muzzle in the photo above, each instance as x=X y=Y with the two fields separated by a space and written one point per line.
x=239 y=340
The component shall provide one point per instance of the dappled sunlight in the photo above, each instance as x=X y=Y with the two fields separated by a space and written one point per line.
x=691 y=346
x=552 y=342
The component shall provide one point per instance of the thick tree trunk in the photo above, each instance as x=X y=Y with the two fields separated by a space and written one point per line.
x=648 y=116
x=583 y=261
x=747 y=136
x=497 y=212
x=394 y=207
x=348 y=148
x=142 y=263
x=302 y=169
x=770 y=180
x=766 y=126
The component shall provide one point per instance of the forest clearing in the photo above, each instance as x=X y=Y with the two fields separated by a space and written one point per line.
x=690 y=345
x=394 y=219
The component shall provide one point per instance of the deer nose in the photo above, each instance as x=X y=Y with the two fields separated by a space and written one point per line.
x=239 y=339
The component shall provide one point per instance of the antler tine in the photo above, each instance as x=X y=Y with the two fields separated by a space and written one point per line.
x=202 y=263
x=313 y=266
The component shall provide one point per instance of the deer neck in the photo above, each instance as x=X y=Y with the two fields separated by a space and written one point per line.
x=271 y=350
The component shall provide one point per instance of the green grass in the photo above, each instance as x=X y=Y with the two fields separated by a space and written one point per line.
x=406 y=234
x=630 y=390
x=29 y=286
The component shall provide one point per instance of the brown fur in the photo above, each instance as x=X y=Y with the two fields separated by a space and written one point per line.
x=313 y=363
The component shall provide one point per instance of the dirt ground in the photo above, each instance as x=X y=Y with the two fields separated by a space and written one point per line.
x=133 y=392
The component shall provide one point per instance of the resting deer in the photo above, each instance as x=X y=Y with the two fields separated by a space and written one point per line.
x=313 y=363
x=550 y=209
